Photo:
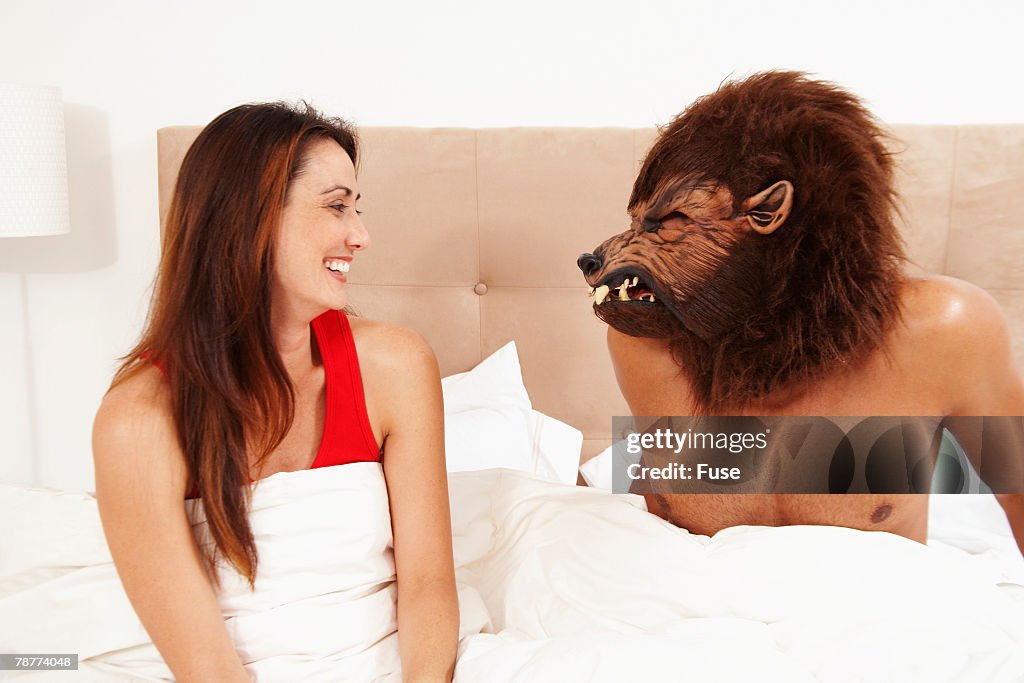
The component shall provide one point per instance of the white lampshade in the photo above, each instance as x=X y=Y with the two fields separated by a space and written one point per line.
x=33 y=162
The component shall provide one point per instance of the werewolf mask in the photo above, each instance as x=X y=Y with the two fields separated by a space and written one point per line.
x=762 y=241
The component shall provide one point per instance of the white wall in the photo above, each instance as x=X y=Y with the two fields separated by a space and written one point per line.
x=70 y=305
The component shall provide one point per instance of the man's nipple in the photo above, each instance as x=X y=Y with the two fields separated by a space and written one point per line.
x=881 y=514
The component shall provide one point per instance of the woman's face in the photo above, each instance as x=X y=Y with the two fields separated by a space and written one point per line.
x=319 y=234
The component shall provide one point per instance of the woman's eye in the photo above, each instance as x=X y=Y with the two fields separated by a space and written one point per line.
x=340 y=208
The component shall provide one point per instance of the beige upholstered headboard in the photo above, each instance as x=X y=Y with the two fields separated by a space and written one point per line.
x=476 y=232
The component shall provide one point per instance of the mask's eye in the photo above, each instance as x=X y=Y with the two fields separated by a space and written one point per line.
x=654 y=226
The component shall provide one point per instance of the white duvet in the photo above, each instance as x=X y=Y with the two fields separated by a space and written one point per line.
x=556 y=583
x=580 y=585
x=323 y=609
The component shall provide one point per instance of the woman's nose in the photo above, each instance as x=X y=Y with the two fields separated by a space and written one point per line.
x=358 y=237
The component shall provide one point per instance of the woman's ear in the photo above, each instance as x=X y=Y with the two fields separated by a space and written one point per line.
x=768 y=209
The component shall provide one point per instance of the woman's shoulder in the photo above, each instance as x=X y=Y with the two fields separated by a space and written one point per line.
x=399 y=370
x=390 y=346
x=142 y=395
x=135 y=422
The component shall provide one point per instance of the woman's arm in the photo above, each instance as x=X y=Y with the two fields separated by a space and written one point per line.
x=140 y=488
x=414 y=467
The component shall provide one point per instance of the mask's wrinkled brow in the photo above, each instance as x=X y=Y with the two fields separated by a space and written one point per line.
x=668 y=196
x=685 y=195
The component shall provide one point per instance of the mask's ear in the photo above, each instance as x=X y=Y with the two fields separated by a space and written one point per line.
x=768 y=209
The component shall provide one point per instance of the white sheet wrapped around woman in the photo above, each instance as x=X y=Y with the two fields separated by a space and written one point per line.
x=556 y=583
x=324 y=602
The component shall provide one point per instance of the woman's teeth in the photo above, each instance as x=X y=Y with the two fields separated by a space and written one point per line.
x=338 y=265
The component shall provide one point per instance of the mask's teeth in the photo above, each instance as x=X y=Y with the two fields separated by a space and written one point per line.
x=635 y=280
x=600 y=294
x=647 y=297
x=591 y=292
x=623 y=296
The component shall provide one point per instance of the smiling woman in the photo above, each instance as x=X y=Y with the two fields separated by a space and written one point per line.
x=320 y=229
x=248 y=367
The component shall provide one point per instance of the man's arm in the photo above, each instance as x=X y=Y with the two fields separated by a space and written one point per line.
x=985 y=381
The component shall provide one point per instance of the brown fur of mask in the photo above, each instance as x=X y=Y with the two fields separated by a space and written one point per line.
x=753 y=300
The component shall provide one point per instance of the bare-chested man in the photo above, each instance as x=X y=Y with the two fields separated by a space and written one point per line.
x=763 y=275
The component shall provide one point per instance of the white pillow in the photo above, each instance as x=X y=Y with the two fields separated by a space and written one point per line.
x=556 y=448
x=490 y=422
x=496 y=381
x=58 y=533
x=481 y=438
x=599 y=471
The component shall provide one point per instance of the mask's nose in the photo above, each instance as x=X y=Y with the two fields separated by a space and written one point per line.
x=589 y=264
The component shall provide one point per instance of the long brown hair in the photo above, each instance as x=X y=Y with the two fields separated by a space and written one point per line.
x=209 y=320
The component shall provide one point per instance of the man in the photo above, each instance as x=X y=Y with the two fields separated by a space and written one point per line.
x=762 y=275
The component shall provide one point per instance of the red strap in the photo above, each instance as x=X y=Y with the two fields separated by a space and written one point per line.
x=347 y=436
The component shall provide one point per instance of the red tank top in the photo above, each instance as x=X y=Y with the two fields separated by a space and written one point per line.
x=347 y=436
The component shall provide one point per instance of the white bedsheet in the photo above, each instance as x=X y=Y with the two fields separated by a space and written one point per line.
x=581 y=585
x=323 y=609
x=556 y=583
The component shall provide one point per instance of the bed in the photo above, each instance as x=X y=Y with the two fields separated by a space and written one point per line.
x=475 y=236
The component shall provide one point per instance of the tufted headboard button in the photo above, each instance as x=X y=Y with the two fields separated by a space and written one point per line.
x=480 y=288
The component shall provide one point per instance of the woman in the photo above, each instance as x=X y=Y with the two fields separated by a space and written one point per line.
x=228 y=385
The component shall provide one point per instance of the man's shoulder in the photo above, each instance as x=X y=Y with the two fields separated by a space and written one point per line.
x=957 y=333
x=944 y=311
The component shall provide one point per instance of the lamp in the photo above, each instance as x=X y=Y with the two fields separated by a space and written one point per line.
x=33 y=162
x=33 y=202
